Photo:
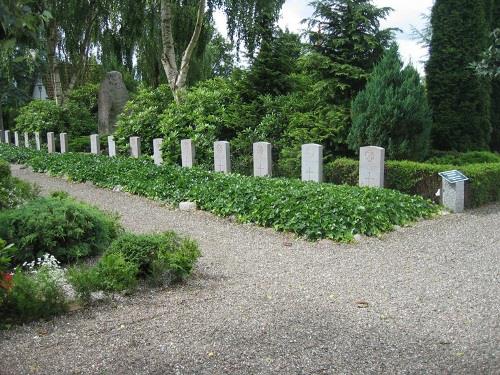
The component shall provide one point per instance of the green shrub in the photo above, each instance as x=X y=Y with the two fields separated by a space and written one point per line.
x=82 y=144
x=13 y=192
x=472 y=157
x=334 y=212
x=86 y=96
x=84 y=280
x=141 y=117
x=157 y=254
x=57 y=225
x=115 y=273
x=78 y=120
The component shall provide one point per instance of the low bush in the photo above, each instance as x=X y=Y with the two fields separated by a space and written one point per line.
x=473 y=157
x=308 y=209
x=57 y=225
x=423 y=179
x=82 y=143
x=13 y=192
x=115 y=273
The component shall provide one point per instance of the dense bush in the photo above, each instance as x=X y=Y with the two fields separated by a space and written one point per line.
x=45 y=116
x=423 y=179
x=308 y=209
x=158 y=254
x=392 y=111
x=472 y=157
x=57 y=225
x=13 y=191
x=85 y=96
x=141 y=117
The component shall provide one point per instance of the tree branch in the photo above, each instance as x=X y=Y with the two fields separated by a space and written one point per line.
x=168 y=58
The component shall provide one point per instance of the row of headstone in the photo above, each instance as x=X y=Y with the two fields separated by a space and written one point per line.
x=5 y=137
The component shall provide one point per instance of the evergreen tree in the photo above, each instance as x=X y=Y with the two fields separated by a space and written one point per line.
x=392 y=111
x=495 y=89
x=459 y=99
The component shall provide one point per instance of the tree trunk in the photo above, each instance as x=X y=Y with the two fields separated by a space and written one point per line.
x=54 y=72
x=177 y=77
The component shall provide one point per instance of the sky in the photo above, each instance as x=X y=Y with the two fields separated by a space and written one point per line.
x=407 y=13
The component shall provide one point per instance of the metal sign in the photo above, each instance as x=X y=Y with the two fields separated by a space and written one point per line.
x=453 y=176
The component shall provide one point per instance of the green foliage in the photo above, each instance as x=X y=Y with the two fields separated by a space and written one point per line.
x=32 y=296
x=392 y=111
x=334 y=212
x=141 y=117
x=6 y=254
x=45 y=116
x=423 y=179
x=460 y=100
x=85 y=96
x=473 y=157
x=57 y=225
x=13 y=192
x=158 y=254
x=115 y=273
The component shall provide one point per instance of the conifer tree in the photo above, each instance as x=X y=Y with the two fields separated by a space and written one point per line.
x=392 y=111
x=495 y=89
x=459 y=99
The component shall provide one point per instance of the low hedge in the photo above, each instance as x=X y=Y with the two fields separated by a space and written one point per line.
x=423 y=179
x=311 y=210
x=13 y=192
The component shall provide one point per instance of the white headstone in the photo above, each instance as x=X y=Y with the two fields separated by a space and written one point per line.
x=38 y=144
x=2 y=134
x=7 y=137
x=63 y=139
x=111 y=146
x=135 y=147
x=188 y=153
x=95 y=145
x=262 y=159
x=16 y=139
x=26 y=140
x=453 y=196
x=312 y=162
x=371 y=166
x=51 y=142
x=222 y=157
x=157 y=151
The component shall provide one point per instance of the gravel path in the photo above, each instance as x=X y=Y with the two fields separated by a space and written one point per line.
x=424 y=299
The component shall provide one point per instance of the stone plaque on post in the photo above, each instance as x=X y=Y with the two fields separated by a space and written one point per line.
x=27 y=140
x=63 y=139
x=262 y=159
x=51 y=143
x=7 y=137
x=371 y=166
x=16 y=139
x=157 y=151
x=111 y=146
x=38 y=144
x=95 y=145
x=188 y=153
x=312 y=162
x=222 y=157
x=135 y=147
x=453 y=190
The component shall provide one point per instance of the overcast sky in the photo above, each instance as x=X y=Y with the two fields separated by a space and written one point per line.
x=405 y=15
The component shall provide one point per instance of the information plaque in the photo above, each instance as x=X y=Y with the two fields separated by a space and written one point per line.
x=453 y=176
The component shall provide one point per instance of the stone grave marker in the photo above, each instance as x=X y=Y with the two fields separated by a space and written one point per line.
x=7 y=136
x=111 y=146
x=95 y=145
x=371 y=166
x=135 y=147
x=16 y=139
x=27 y=140
x=222 y=157
x=63 y=139
x=262 y=159
x=188 y=153
x=38 y=143
x=312 y=162
x=453 y=190
x=158 y=159
x=51 y=143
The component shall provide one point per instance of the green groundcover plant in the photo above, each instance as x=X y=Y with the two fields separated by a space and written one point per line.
x=310 y=210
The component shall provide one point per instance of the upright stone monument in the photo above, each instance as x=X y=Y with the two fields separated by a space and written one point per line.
x=135 y=147
x=7 y=137
x=111 y=146
x=371 y=166
x=188 y=153
x=51 y=143
x=112 y=98
x=157 y=151
x=63 y=139
x=262 y=159
x=16 y=139
x=222 y=157
x=312 y=162
x=453 y=190
x=27 y=140
x=95 y=145
x=38 y=143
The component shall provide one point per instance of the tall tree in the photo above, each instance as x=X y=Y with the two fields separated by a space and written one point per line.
x=246 y=19
x=460 y=100
x=495 y=86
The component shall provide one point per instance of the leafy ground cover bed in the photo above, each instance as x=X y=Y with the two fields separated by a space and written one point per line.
x=310 y=210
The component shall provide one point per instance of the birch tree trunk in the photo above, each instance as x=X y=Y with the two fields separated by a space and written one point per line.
x=54 y=72
x=176 y=76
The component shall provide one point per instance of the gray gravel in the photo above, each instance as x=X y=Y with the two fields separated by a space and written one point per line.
x=423 y=299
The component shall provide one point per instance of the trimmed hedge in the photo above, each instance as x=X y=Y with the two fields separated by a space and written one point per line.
x=311 y=210
x=423 y=179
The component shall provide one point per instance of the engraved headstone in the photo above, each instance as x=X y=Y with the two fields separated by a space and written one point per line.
x=27 y=140
x=262 y=159
x=38 y=143
x=312 y=162
x=135 y=147
x=7 y=136
x=371 y=166
x=51 y=142
x=63 y=139
x=158 y=159
x=112 y=98
x=188 y=153
x=222 y=157
x=16 y=139
x=95 y=145
x=111 y=146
